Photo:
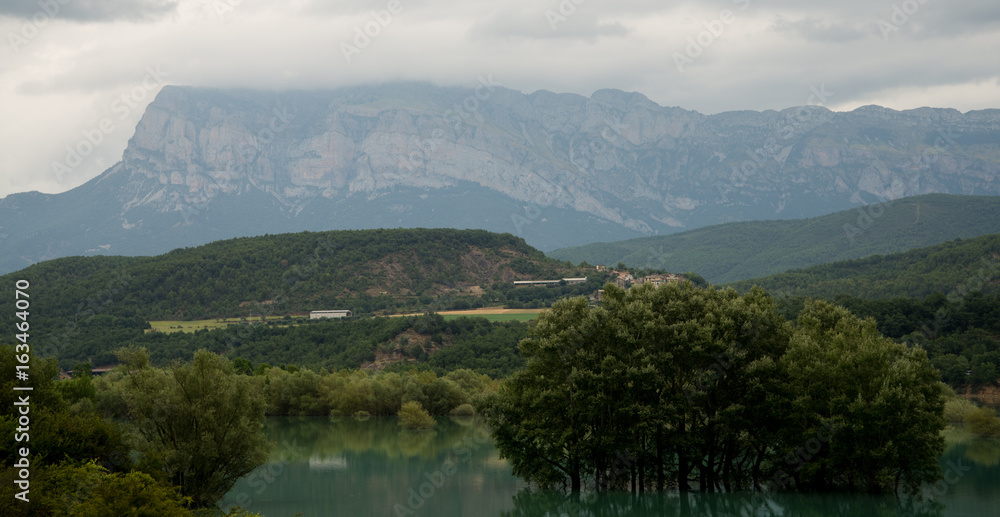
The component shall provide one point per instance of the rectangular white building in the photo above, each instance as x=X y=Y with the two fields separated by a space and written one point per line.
x=315 y=315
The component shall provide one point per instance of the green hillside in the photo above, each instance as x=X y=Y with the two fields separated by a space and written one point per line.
x=83 y=308
x=953 y=268
x=366 y=271
x=737 y=251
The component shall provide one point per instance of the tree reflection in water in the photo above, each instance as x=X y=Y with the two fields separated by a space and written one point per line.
x=528 y=503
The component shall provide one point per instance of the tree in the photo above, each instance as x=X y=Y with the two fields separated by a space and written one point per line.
x=537 y=418
x=413 y=416
x=198 y=425
x=864 y=413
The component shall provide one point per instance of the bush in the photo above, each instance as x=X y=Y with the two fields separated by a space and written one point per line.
x=984 y=422
x=957 y=409
x=463 y=410
x=413 y=416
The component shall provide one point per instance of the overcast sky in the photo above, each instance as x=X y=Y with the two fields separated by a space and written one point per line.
x=72 y=68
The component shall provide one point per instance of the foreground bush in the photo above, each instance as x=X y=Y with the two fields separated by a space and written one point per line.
x=413 y=416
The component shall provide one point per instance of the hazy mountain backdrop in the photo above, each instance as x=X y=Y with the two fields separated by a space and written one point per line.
x=556 y=169
x=737 y=251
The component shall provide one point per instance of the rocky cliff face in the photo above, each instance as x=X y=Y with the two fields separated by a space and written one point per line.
x=557 y=169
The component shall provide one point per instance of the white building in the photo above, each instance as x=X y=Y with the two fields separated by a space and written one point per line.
x=315 y=315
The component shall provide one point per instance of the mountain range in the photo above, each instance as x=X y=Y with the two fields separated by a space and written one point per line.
x=556 y=169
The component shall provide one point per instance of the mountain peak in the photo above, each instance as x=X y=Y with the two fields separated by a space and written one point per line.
x=556 y=169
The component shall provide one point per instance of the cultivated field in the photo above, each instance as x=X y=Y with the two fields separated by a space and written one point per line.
x=191 y=326
x=490 y=313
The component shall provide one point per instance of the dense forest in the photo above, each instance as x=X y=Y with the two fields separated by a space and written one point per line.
x=426 y=342
x=953 y=268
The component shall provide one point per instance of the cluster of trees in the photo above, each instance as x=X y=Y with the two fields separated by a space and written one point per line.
x=474 y=343
x=295 y=391
x=185 y=436
x=961 y=334
x=674 y=386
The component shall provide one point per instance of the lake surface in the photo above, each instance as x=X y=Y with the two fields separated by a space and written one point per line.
x=346 y=467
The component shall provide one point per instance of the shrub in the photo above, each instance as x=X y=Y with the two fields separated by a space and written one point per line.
x=463 y=410
x=957 y=409
x=984 y=422
x=413 y=416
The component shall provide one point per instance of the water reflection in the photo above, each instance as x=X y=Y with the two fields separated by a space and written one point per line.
x=366 y=468
x=344 y=466
x=534 y=504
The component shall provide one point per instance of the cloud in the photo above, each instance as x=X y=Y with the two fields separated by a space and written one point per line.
x=821 y=29
x=61 y=78
x=546 y=23
x=90 y=10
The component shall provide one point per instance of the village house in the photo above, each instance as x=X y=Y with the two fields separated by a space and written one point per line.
x=622 y=279
x=658 y=280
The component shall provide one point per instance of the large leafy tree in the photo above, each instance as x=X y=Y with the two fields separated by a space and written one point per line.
x=865 y=413
x=198 y=424
x=670 y=386
x=540 y=420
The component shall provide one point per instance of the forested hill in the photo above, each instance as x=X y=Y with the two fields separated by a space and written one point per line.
x=952 y=268
x=363 y=270
x=737 y=251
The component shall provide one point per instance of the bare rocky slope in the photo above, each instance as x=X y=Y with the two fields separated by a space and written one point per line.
x=557 y=169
